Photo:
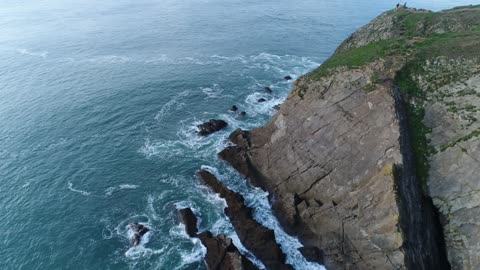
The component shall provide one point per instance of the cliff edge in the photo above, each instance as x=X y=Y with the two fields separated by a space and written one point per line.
x=368 y=146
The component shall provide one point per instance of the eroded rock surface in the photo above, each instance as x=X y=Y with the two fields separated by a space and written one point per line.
x=451 y=113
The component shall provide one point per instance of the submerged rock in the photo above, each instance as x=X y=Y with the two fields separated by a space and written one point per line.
x=234 y=108
x=139 y=231
x=242 y=114
x=221 y=252
x=261 y=100
x=213 y=125
x=267 y=89
x=255 y=237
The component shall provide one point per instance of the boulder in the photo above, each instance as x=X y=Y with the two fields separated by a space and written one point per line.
x=188 y=218
x=261 y=100
x=213 y=125
x=234 y=108
x=242 y=113
x=288 y=77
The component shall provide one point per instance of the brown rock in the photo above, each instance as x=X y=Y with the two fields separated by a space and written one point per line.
x=334 y=146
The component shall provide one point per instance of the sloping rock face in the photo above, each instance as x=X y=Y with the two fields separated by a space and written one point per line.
x=328 y=161
x=348 y=158
x=451 y=114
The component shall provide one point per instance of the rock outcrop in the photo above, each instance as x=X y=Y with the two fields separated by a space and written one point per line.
x=361 y=146
x=139 y=230
x=213 y=125
x=188 y=218
x=221 y=252
x=451 y=112
x=327 y=159
x=255 y=237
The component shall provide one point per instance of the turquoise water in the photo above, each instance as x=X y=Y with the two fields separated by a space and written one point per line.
x=98 y=106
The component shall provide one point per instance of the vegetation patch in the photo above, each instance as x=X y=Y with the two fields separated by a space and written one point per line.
x=473 y=134
x=358 y=57
x=416 y=128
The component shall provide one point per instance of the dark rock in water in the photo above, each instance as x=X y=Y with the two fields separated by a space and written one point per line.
x=188 y=218
x=213 y=125
x=243 y=114
x=288 y=77
x=255 y=237
x=139 y=230
x=277 y=107
x=312 y=254
x=267 y=89
x=261 y=100
x=234 y=108
x=221 y=252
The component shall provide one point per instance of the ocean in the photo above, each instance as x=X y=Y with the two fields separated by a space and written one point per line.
x=99 y=102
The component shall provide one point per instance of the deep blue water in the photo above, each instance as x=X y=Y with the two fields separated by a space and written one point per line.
x=98 y=106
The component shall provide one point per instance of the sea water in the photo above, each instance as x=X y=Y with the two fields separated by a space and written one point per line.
x=99 y=102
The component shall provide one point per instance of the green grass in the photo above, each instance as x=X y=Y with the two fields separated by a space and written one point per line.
x=464 y=44
x=358 y=57
x=452 y=44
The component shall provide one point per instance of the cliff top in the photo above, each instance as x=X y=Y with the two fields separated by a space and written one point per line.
x=409 y=33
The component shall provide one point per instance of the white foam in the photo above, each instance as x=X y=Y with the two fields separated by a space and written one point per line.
x=212 y=92
x=128 y=186
x=191 y=256
x=162 y=149
x=83 y=192
x=111 y=59
x=172 y=105
x=109 y=191
x=42 y=54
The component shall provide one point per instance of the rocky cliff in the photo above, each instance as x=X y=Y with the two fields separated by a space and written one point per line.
x=368 y=146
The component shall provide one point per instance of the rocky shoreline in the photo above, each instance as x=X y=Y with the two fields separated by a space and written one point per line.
x=358 y=161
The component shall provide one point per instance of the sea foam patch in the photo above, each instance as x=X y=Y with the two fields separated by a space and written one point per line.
x=83 y=192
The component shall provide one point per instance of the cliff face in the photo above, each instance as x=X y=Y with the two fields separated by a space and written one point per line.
x=361 y=144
